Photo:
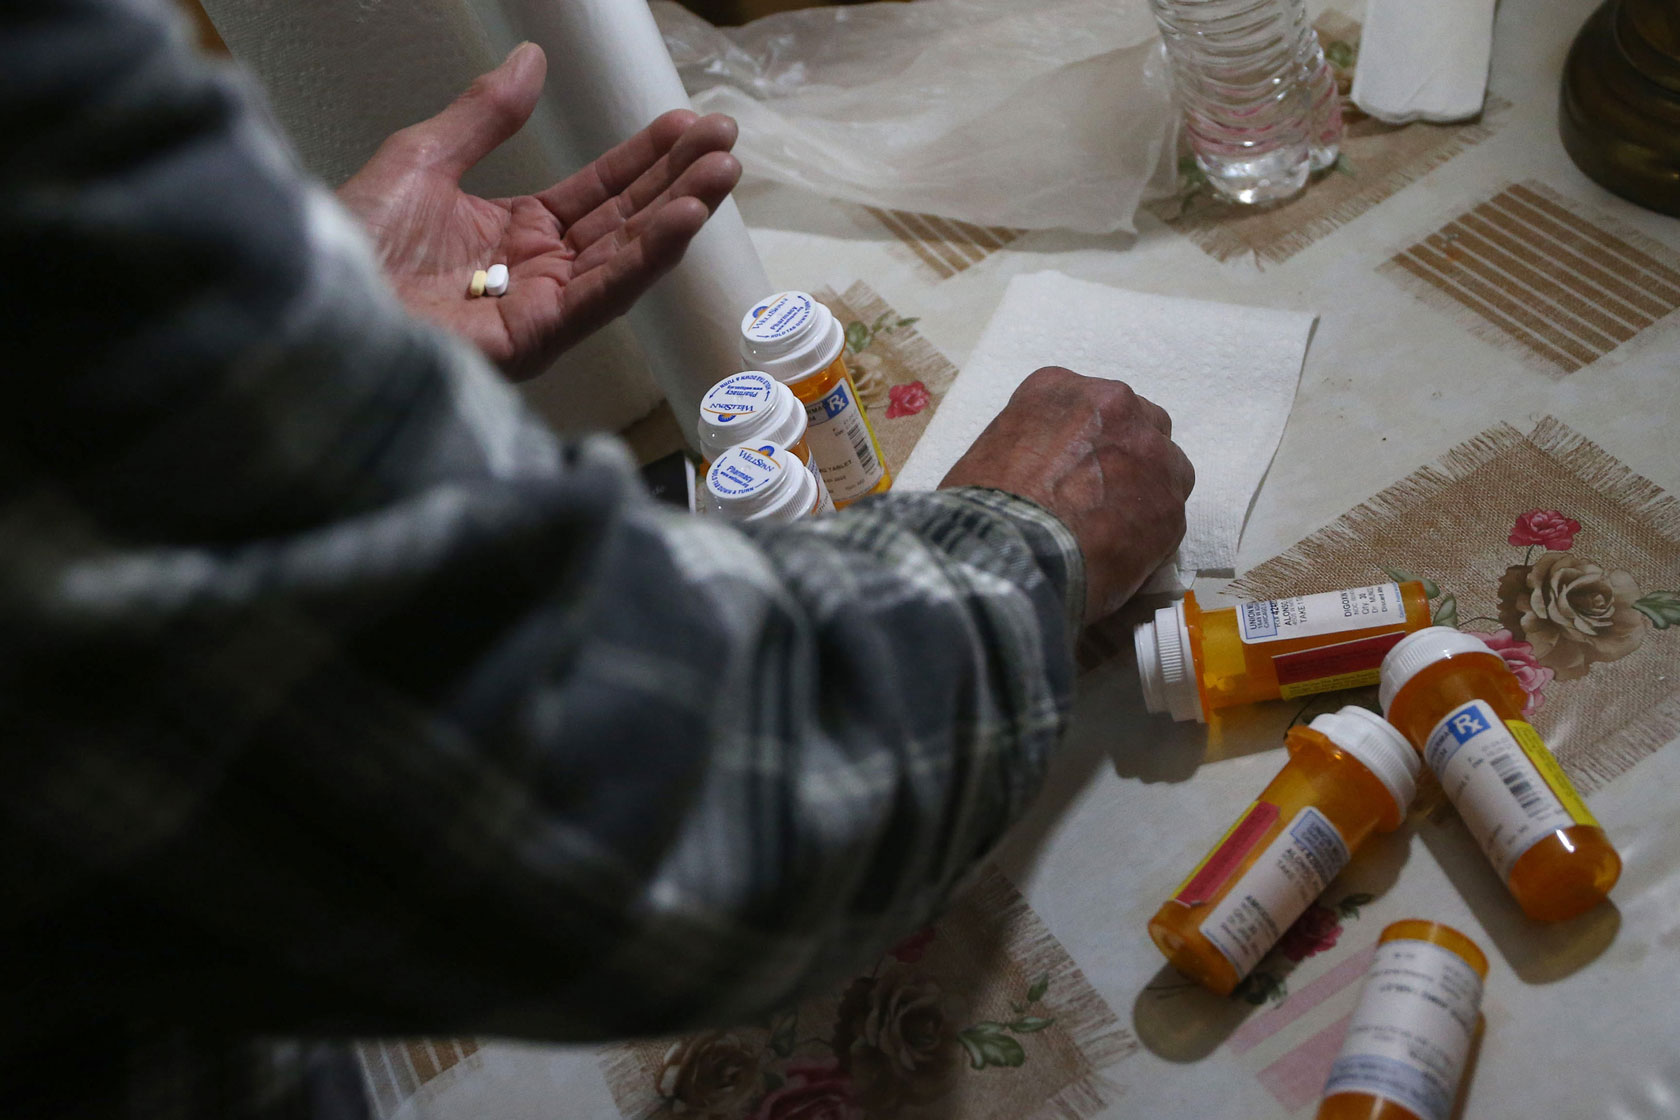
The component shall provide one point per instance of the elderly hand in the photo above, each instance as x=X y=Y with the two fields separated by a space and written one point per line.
x=578 y=253
x=1101 y=458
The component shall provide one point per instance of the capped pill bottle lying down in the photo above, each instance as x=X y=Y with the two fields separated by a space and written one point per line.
x=1405 y=1050
x=1193 y=661
x=1349 y=774
x=1462 y=708
x=764 y=483
x=754 y=408
x=800 y=343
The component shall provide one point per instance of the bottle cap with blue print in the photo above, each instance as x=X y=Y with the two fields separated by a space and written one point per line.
x=749 y=408
x=790 y=336
x=763 y=483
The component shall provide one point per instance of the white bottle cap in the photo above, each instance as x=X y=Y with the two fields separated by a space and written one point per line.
x=1417 y=651
x=790 y=336
x=763 y=483
x=1378 y=746
x=749 y=408
x=1166 y=666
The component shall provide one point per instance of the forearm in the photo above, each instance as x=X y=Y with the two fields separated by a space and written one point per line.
x=344 y=697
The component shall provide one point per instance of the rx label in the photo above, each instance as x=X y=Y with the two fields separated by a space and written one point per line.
x=835 y=403
x=1466 y=725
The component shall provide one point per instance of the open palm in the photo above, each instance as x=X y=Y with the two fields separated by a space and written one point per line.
x=578 y=253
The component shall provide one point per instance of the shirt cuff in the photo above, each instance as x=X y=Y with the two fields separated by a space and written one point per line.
x=1052 y=542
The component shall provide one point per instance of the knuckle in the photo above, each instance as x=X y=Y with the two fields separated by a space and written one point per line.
x=1118 y=399
x=1046 y=381
x=1053 y=376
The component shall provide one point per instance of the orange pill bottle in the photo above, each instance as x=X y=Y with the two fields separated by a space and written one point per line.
x=800 y=343
x=1193 y=661
x=1404 y=1053
x=1462 y=709
x=1349 y=774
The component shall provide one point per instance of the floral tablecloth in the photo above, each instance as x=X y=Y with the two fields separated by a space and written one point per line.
x=1488 y=404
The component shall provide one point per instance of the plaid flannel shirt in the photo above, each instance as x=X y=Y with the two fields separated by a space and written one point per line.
x=341 y=697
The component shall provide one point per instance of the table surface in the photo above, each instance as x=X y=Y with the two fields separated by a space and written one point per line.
x=1413 y=261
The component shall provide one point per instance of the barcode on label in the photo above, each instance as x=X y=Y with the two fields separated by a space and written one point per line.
x=865 y=450
x=1516 y=779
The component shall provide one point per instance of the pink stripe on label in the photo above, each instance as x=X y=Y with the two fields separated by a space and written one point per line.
x=1262 y=1027
x=1358 y=656
x=1222 y=863
x=1297 y=1079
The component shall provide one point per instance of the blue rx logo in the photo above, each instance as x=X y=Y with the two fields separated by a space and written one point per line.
x=835 y=403
x=1466 y=724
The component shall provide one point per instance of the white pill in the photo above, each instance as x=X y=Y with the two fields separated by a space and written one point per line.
x=496 y=280
x=476 y=286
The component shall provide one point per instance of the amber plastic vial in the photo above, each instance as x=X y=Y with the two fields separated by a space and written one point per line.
x=1349 y=774
x=800 y=343
x=1458 y=704
x=1192 y=661
x=1404 y=1054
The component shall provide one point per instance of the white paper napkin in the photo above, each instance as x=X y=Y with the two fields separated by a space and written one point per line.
x=1226 y=374
x=1424 y=59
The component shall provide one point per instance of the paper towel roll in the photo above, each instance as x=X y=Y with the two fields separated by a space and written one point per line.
x=341 y=77
x=609 y=74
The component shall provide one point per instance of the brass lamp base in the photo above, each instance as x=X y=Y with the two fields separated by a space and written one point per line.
x=1619 y=112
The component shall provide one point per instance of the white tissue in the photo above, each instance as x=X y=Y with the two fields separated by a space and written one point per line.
x=1424 y=59
x=1226 y=374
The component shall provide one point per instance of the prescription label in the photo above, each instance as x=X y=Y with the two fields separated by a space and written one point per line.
x=1276 y=889
x=1354 y=664
x=1493 y=779
x=842 y=444
x=1410 y=1034
x=1308 y=616
x=1227 y=855
x=825 y=501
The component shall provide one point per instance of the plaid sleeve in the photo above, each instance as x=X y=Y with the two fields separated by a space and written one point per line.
x=342 y=697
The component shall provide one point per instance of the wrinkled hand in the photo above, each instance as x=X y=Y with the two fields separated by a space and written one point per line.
x=1102 y=459
x=579 y=253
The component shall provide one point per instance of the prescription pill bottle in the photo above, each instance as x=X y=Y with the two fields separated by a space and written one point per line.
x=1462 y=709
x=1349 y=774
x=1193 y=661
x=763 y=483
x=1405 y=1049
x=754 y=408
x=800 y=343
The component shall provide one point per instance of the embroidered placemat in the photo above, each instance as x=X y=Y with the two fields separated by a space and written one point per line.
x=982 y=1015
x=1566 y=561
x=900 y=377
x=1539 y=275
x=941 y=246
x=1377 y=160
x=397 y=1069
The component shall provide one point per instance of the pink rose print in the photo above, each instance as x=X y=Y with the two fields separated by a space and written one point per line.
x=1519 y=658
x=907 y=399
x=1313 y=932
x=815 y=1090
x=1546 y=527
x=914 y=947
